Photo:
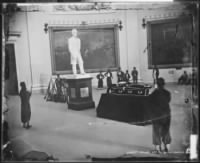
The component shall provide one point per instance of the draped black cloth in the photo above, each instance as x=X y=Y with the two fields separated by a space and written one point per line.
x=128 y=108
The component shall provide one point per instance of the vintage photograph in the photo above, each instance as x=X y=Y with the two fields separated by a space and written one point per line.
x=96 y=81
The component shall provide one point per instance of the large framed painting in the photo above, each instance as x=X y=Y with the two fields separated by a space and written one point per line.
x=170 y=43
x=99 y=48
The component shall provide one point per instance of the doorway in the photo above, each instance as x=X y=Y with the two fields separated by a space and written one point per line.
x=11 y=83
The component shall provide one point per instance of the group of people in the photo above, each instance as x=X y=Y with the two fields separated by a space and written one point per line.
x=121 y=77
x=125 y=77
x=161 y=127
x=160 y=96
x=101 y=76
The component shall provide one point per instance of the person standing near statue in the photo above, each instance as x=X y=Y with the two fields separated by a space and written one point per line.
x=74 y=45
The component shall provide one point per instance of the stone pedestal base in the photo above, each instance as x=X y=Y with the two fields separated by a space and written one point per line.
x=80 y=92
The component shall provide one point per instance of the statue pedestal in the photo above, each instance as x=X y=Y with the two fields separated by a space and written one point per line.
x=80 y=92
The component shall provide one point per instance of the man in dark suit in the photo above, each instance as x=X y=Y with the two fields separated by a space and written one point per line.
x=155 y=74
x=100 y=78
x=134 y=74
x=109 y=77
x=127 y=76
x=120 y=75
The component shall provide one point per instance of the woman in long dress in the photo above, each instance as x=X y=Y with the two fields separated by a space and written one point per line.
x=25 y=105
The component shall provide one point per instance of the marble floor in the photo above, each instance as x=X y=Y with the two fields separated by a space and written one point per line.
x=70 y=135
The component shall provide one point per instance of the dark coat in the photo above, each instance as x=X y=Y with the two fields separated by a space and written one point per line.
x=109 y=78
x=25 y=106
x=155 y=73
x=120 y=76
x=134 y=74
x=127 y=77
x=160 y=99
x=100 y=78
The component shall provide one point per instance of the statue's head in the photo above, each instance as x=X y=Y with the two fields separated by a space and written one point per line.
x=74 y=32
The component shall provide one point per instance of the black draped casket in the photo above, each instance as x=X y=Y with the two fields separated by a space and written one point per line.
x=132 y=107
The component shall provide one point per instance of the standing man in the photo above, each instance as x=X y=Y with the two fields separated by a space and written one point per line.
x=161 y=126
x=58 y=83
x=120 y=75
x=155 y=74
x=134 y=74
x=74 y=45
x=127 y=76
x=109 y=76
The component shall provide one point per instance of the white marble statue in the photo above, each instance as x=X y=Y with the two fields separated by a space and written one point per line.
x=74 y=45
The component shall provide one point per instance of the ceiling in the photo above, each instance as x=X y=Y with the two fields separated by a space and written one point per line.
x=101 y=6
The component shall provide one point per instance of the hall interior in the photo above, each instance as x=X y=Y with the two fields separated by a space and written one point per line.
x=113 y=35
